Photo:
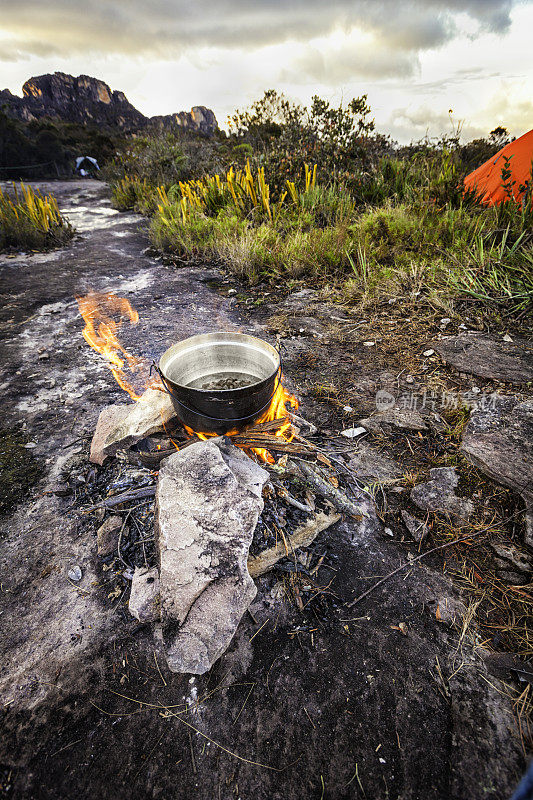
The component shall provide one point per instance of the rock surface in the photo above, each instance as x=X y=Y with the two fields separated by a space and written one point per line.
x=438 y=495
x=499 y=441
x=207 y=505
x=121 y=426
x=489 y=357
x=144 y=596
x=91 y=101
x=403 y=419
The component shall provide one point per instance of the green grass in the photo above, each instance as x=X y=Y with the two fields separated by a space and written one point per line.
x=402 y=227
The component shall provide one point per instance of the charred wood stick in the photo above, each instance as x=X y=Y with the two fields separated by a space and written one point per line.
x=315 y=479
x=117 y=499
x=270 y=443
x=153 y=458
x=302 y=537
x=292 y=501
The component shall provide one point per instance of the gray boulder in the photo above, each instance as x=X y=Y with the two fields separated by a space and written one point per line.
x=499 y=441
x=121 y=426
x=208 y=502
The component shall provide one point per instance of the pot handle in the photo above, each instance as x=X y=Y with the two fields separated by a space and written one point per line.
x=201 y=413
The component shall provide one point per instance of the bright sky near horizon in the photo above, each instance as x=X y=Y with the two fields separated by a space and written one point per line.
x=416 y=59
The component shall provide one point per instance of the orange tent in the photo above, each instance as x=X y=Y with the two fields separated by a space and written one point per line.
x=487 y=181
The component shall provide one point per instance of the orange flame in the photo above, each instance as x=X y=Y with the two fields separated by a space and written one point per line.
x=104 y=314
x=276 y=410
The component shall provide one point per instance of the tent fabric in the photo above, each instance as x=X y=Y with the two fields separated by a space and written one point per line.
x=486 y=180
x=81 y=159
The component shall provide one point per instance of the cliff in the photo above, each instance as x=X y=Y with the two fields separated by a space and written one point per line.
x=90 y=101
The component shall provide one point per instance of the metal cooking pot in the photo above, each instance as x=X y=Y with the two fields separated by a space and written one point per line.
x=223 y=358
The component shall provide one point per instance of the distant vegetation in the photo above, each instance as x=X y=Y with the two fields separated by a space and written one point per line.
x=30 y=221
x=373 y=220
x=48 y=148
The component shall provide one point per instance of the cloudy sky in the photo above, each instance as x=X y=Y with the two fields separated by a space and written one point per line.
x=416 y=59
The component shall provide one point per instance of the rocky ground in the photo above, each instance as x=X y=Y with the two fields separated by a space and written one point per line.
x=409 y=694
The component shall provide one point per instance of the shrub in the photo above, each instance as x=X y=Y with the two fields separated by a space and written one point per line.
x=132 y=193
x=30 y=221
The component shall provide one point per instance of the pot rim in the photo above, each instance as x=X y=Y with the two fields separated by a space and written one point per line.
x=221 y=336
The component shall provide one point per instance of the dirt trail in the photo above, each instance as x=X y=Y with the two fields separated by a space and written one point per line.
x=330 y=706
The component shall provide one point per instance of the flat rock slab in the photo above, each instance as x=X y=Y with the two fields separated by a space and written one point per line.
x=499 y=441
x=208 y=502
x=438 y=495
x=489 y=357
x=400 y=418
x=121 y=426
x=367 y=462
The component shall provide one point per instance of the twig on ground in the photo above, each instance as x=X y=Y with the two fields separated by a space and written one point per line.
x=336 y=496
x=410 y=563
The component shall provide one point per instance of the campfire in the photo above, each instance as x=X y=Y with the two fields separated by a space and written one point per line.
x=233 y=497
x=105 y=313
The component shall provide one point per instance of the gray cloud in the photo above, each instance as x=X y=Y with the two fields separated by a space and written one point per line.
x=164 y=28
x=19 y=51
x=349 y=62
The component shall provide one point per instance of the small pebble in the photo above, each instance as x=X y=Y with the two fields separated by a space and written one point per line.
x=75 y=573
x=368 y=344
x=348 y=409
x=445 y=321
x=388 y=532
x=507 y=338
x=429 y=353
x=352 y=433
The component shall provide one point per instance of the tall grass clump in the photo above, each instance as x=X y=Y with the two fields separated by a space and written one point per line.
x=254 y=231
x=29 y=220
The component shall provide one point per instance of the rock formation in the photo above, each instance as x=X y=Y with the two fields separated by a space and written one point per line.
x=88 y=100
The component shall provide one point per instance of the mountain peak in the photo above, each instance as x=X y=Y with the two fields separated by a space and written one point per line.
x=88 y=100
